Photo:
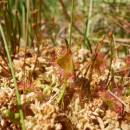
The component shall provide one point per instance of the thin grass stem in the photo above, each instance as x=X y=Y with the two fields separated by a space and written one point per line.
x=89 y=17
x=71 y=23
x=14 y=80
x=88 y=27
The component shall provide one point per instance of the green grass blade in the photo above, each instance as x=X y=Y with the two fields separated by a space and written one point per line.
x=88 y=27
x=71 y=23
x=14 y=80
x=89 y=17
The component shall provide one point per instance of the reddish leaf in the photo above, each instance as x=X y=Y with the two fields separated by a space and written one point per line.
x=65 y=61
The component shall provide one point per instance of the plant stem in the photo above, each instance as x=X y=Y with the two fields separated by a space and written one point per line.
x=89 y=17
x=111 y=58
x=14 y=80
x=71 y=23
x=87 y=28
x=23 y=27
